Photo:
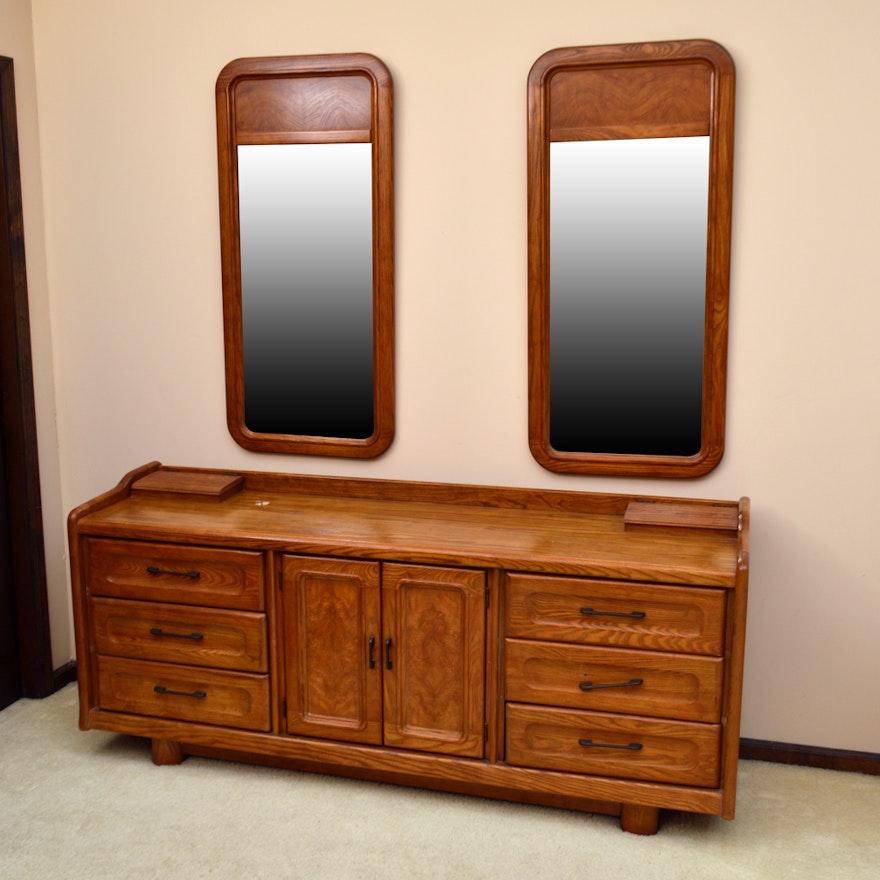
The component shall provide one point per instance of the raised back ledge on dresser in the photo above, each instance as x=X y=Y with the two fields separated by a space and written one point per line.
x=649 y=592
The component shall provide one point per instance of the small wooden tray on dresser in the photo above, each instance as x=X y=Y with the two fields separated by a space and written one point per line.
x=208 y=486
x=641 y=512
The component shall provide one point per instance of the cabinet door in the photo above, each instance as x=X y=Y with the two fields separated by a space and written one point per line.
x=434 y=663
x=334 y=682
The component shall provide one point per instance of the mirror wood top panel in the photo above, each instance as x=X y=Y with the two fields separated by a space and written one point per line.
x=306 y=211
x=630 y=180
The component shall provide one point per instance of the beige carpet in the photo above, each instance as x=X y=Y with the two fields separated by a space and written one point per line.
x=92 y=805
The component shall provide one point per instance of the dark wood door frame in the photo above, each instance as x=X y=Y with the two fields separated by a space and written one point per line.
x=18 y=419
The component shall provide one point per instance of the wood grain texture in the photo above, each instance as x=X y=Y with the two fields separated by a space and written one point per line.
x=667 y=751
x=435 y=688
x=495 y=497
x=677 y=619
x=638 y=100
x=266 y=106
x=180 y=634
x=176 y=573
x=208 y=696
x=215 y=487
x=664 y=89
x=79 y=584
x=332 y=609
x=652 y=683
x=649 y=513
x=425 y=532
x=478 y=690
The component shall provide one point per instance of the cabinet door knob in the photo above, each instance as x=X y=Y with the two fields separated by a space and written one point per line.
x=388 y=664
x=372 y=652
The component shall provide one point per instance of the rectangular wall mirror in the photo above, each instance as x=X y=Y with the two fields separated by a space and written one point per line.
x=630 y=173
x=306 y=209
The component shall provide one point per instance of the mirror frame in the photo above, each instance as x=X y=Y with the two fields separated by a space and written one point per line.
x=308 y=99
x=639 y=90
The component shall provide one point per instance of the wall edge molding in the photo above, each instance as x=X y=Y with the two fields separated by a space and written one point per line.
x=810 y=756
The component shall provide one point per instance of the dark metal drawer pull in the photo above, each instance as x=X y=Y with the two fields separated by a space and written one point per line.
x=388 y=653
x=160 y=689
x=372 y=654
x=155 y=631
x=632 y=747
x=153 y=569
x=637 y=615
x=589 y=686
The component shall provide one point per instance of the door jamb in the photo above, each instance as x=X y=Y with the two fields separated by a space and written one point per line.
x=18 y=418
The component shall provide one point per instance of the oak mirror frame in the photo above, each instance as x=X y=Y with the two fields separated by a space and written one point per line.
x=305 y=156
x=630 y=170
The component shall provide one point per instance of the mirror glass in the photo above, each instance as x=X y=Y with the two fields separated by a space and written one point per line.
x=627 y=294
x=306 y=238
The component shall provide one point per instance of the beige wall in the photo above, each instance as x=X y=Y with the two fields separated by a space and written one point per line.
x=126 y=118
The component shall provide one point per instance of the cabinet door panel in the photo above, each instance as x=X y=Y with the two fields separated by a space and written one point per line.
x=434 y=665
x=331 y=611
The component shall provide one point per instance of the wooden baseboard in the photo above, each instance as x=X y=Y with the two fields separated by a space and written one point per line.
x=810 y=756
x=64 y=675
x=749 y=749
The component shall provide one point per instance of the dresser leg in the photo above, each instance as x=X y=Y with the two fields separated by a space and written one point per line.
x=638 y=819
x=166 y=751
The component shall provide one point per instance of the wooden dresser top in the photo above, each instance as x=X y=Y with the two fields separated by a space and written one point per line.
x=524 y=530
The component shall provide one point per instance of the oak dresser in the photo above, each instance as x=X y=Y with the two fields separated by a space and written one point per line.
x=563 y=648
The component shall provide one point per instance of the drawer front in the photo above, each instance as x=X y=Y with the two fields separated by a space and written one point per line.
x=686 y=620
x=613 y=745
x=661 y=685
x=176 y=573
x=180 y=634
x=206 y=696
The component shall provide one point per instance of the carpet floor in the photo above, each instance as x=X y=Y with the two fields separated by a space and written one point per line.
x=92 y=805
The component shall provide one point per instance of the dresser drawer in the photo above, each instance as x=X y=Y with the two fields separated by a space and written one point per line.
x=180 y=634
x=662 y=685
x=176 y=573
x=207 y=696
x=613 y=745
x=616 y=613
